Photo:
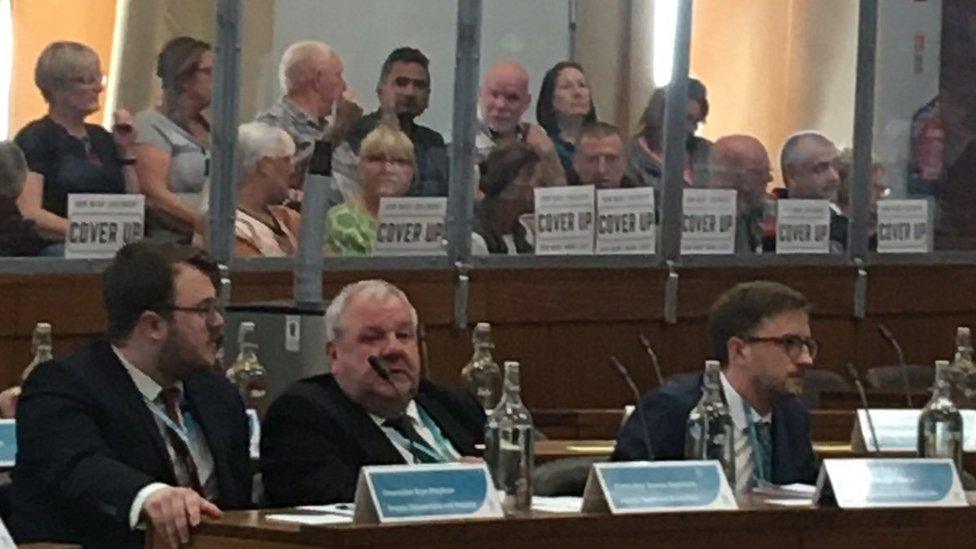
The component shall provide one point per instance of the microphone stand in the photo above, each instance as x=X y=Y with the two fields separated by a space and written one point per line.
x=379 y=366
x=624 y=374
x=852 y=372
x=654 y=362
x=890 y=338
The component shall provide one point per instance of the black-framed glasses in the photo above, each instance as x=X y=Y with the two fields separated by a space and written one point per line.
x=211 y=311
x=791 y=343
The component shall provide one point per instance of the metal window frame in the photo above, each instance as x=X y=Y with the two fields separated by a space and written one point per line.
x=460 y=201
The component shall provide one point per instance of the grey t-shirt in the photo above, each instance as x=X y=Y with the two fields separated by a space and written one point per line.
x=190 y=167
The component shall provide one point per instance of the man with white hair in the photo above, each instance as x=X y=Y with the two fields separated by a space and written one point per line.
x=372 y=409
x=503 y=98
x=263 y=226
x=311 y=79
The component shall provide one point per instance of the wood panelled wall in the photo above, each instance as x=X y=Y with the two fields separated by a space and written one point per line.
x=563 y=324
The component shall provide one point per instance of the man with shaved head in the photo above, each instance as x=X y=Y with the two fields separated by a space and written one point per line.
x=809 y=161
x=740 y=163
x=502 y=99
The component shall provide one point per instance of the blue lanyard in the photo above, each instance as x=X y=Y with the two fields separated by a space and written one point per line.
x=757 y=451
x=436 y=450
x=181 y=431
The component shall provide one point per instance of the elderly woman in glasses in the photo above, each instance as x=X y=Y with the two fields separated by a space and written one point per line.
x=66 y=155
x=386 y=168
x=173 y=151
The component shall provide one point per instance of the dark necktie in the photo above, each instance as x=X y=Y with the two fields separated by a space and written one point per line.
x=765 y=439
x=421 y=451
x=171 y=398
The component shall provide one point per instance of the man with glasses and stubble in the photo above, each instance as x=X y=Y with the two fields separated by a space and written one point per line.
x=760 y=331
x=138 y=429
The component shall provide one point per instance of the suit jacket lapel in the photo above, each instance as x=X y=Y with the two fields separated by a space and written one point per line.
x=119 y=381
x=459 y=437
x=375 y=445
x=783 y=460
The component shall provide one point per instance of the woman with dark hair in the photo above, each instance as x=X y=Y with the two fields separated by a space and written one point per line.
x=174 y=141
x=66 y=155
x=514 y=171
x=564 y=107
x=646 y=151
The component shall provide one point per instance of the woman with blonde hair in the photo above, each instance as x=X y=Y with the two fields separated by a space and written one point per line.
x=386 y=168
x=65 y=155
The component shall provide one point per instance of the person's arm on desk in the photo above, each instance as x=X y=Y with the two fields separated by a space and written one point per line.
x=172 y=511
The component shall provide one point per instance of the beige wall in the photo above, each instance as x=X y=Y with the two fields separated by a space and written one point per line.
x=773 y=68
x=40 y=22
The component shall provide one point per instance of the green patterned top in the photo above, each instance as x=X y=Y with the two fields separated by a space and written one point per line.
x=349 y=230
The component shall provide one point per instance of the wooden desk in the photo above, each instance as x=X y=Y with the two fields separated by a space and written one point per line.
x=757 y=526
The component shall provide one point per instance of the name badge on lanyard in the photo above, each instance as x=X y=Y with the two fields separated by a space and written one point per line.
x=758 y=452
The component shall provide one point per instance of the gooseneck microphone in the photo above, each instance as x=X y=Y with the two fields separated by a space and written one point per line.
x=624 y=374
x=890 y=338
x=383 y=370
x=856 y=378
x=654 y=362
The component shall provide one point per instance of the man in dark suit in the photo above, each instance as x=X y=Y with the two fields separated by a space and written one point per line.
x=760 y=332
x=139 y=428
x=322 y=430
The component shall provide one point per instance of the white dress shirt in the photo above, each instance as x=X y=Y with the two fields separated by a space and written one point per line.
x=745 y=463
x=403 y=446
x=151 y=394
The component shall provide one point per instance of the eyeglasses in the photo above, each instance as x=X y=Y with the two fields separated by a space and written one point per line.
x=791 y=343
x=89 y=81
x=210 y=311
x=401 y=163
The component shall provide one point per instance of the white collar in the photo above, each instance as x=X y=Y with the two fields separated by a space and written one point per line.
x=412 y=412
x=146 y=386
x=734 y=401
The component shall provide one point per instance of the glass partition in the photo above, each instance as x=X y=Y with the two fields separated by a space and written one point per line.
x=768 y=119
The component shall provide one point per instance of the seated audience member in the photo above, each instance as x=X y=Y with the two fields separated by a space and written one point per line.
x=878 y=190
x=311 y=77
x=502 y=99
x=599 y=159
x=514 y=171
x=645 y=153
x=760 y=332
x=138 y=429
x=173 y=150
x=809 y=163
x=323 y=429
x=404 y=94
x=386 y=168
x=18 y=236
x=263 y=226
x=64 y=154
x=740 y=163
x=564 y=106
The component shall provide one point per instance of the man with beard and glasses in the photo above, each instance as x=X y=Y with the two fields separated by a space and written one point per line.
x=137 y=430
x=760 y=332
x=404 y=94
x=323 y=429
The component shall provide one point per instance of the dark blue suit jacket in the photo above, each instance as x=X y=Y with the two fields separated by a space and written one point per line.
x=667 y=407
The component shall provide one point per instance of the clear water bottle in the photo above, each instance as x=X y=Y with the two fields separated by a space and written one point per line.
x=961 y=374
x=940 y=424
x=481 y=374
x=41 y=346
x=710 y=433
x=247 y=373
x=509 y=445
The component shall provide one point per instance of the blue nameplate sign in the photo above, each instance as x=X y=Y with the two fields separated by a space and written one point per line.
x=662 y=486
x=897 y=430
x=8 y=442
x=889 y=482
x=411 y=493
